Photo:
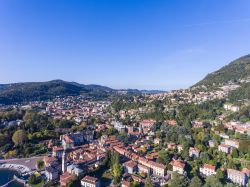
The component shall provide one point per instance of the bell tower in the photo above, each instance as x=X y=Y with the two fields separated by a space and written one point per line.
x=64 y=162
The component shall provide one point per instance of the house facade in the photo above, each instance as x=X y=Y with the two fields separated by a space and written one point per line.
x=51 y=174
x=178 y=166
x=208 y=170
x=89 y=181
x=194 y=152
x=237 y=177
x=130 y=167
x=224 y=148
x=232 y=143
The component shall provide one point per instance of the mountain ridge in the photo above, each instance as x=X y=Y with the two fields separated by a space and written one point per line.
x=234 y=71
x=31 y=91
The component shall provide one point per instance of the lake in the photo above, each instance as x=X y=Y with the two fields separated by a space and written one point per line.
x=6 y=176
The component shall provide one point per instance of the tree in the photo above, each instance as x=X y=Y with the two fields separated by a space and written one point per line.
x=235 y=153
x=177 y=181
x=135 y=184
x=244 y=145
x=3 y=139
x=221 y=175
x=32 y=179
x=40 y=164
x=74 y=183
x=213 y=181
x=164 y=156
x=19 y=137
x=148 y=182
x=195 y=182
x=116 y=167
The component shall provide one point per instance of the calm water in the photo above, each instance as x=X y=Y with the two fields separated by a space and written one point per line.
x=7 y=175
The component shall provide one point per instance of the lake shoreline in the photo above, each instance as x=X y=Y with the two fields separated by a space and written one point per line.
x=8 y=175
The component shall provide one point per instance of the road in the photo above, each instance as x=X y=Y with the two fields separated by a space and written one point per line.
x=28 y=162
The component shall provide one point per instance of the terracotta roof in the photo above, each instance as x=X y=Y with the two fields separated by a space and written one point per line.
x=171 y=122
x=65 y=178
x=178 y=163
x=193 y=149
x=136 y=178
x=223 y=145
x=49 y=160
x=246 y=171
x=158 y=165
x=130 y=164
x=68 y=139
x=235 y=172
x=143 y=167
x=57 y=148
x=209 y=166
x=89 y=179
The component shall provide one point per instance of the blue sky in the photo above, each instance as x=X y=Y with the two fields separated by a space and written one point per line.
x=145 y=44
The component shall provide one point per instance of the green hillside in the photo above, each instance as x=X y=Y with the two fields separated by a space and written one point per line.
x=236 y=70
x=22 y=92
x=241 y=93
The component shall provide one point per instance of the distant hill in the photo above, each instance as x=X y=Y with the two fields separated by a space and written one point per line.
x=30 y=91
x=236 y=70
x=39 y=91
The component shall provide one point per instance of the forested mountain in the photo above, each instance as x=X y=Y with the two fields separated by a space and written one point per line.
x=21 y=92
x=236 y=70
x=38 y=91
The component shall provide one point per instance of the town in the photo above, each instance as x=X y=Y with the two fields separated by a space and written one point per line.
x=140 y=140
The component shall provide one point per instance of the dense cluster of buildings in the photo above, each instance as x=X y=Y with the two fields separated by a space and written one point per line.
x=83 y=151
x=76 y=108
x=78 y=153
x=197 y=94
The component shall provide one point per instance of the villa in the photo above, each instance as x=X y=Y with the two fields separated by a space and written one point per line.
x=89 y=181
x=178 y=166
x=208 y=170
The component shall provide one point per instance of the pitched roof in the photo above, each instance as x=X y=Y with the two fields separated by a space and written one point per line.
x=235 y=172
x=246 y=171
x=178 y=163
x=209 y=166
x=68 y=139
x=130 y=164
x=57 y=148
x=158 y=165
x=89 y=179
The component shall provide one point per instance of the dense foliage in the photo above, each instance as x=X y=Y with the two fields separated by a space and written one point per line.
x=26 y=139
x=125 y=103
x=243 y=115
x=241 y=93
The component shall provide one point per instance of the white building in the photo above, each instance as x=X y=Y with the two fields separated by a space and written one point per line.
x=237 y=177
x=119 y=126
x=157 y=168
x=224 y=148
x=232 y=143
x=178 y=166
x=74 y=169
x=211 y=143
x=194 y=152
x=231 y=107
x=88 y=181
x=208 y=170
